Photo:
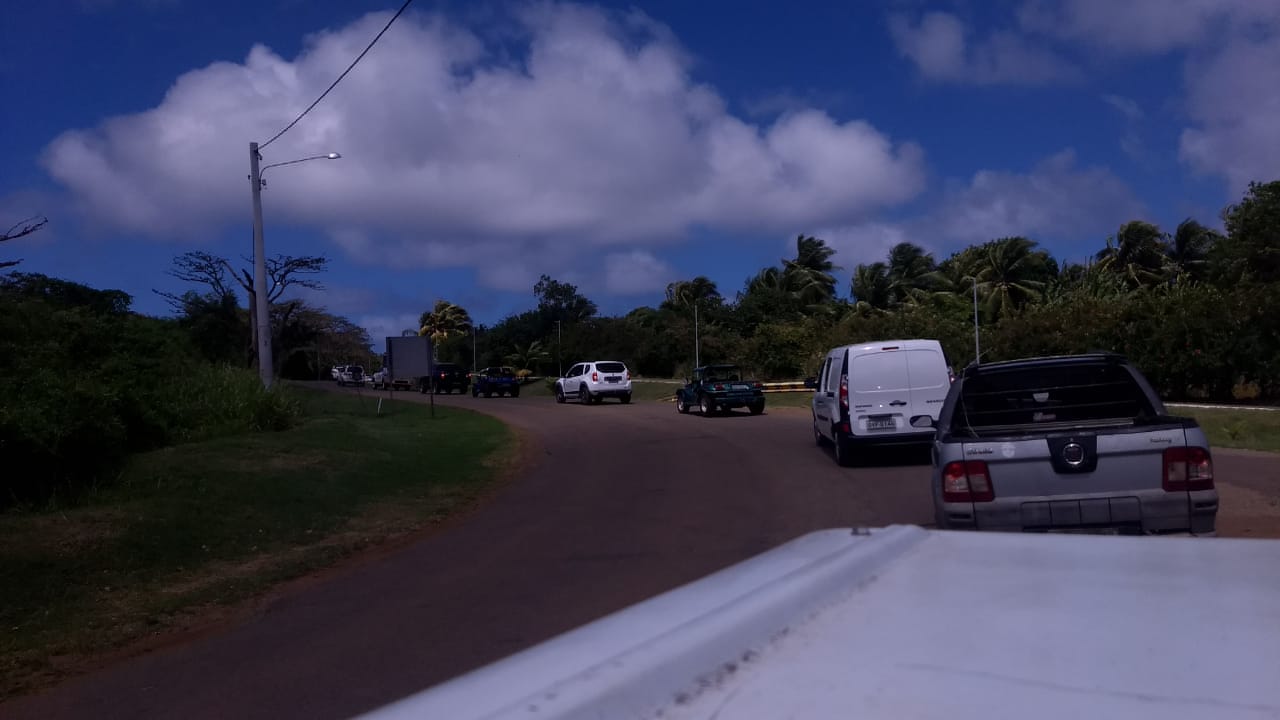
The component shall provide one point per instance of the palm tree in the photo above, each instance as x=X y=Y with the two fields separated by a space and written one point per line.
x=871 y=287
x=1010 y=273
x=1138 y=252
x=1189 y=251
x=684 y=293
x=445 y=320
x=809 y=275
x=529 y=357
x=912 y=273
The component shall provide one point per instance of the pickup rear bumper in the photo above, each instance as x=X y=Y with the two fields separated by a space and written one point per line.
x=736 y=400
x=1156 y=512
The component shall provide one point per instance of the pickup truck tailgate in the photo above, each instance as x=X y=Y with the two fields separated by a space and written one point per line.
x=1100 y=478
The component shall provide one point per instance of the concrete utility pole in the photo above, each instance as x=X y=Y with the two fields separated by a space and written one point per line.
x=559 y=359
x=261 y=307
x=697 y=342
x=261 y=313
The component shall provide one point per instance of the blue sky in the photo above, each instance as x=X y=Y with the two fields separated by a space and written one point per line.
x=614 y=145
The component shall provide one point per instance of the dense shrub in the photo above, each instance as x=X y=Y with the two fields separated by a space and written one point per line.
x=83 y=385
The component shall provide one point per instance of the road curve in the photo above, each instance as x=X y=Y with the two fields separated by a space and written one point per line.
x=620 y=503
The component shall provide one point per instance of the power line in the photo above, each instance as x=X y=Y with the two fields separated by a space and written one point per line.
x=344 y=74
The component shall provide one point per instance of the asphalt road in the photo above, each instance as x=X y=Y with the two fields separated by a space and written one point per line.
x=618 y=503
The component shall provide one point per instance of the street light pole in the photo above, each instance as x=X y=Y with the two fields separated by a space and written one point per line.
x=261 y=313
x=559 y=359
x=473 y=348
x=261 y=308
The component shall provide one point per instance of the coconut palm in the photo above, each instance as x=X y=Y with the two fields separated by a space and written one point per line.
x=529 y=357
x=871 y=287
x=1189 y=252
x=1137 y=252
x=809 y=275
x=684 y=293
x=1010 y=273
x=444 y=320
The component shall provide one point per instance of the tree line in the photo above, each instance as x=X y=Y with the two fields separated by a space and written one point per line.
x=1197 y=309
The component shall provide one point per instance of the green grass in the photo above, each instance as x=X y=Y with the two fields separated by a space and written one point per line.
x=214 y=522
x=1249 y=429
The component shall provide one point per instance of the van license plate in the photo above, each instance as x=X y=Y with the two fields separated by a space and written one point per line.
x=880 y=423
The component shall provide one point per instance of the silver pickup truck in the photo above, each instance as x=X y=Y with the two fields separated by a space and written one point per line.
x=1077 y=443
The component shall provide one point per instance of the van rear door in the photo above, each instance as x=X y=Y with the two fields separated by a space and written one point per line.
x=929 y=381
x=879 y=391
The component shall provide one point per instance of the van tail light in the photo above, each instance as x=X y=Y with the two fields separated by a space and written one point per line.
x=844 y=391
x=595 y=376
x=968 y=481
x=1187 y=468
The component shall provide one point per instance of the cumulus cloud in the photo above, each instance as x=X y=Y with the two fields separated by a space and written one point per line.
x=1234 y=99
x=636 y=272
x=1143 y=26
x=1057 y=200
x=941 y=47
x=593 y=136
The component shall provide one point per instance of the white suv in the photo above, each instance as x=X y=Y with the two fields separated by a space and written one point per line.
x=592 y=382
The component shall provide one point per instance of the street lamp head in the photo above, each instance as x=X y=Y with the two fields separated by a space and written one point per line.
x=333 y=156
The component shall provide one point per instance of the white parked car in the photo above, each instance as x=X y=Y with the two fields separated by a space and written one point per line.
x=352 y=375
x=592 y=382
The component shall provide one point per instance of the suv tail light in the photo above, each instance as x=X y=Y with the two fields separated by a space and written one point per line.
x=595 y=376
x=968 y=481
x=844 y=391
x=628 y=378
x=1187 y=468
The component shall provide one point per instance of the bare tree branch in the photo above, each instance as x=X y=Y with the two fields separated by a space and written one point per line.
x=283 y=272
x=202 y=268
x=22 y=228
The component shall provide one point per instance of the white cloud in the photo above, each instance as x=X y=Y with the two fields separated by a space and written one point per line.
x=595 y=136
x=1128 y=107
x=1234 y=101
x=940 y=46
x=635 y=272
x=1143 y=26
x=1057 y=200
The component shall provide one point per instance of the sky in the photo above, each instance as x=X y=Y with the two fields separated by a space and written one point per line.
x=618 y=146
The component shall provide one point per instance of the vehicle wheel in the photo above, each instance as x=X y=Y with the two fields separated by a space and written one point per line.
x=682 y=407
x=844 y=458
x=818 y=438
x=559 y=394
x=515 y=393
x=475 y=393
x=756 y=409
x=706 y=406
x=584 y=395
x=488 y=393
x=625 y=399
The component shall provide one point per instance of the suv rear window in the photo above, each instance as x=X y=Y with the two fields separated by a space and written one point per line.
x=1035 y=395
x=611 y=367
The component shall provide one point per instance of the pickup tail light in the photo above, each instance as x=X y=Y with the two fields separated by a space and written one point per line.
x=1187 y=468
x=719 y=386
x=968 y=481
x=595 y=376
x=844 y=391
x=759 y=384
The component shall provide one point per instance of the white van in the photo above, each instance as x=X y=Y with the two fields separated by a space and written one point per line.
x=880 y=393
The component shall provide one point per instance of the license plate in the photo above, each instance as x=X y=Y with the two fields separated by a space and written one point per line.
x=613 y=378
x=741 y=387
x=880 y=424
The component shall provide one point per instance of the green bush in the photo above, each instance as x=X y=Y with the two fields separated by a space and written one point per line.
x=83 y=386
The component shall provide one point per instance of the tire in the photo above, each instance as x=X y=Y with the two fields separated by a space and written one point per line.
x=515 y=393
x=584 y=396
x=475 y=392
x=626 y=399
x=559 y=395
x=682 y=407
x=756 y=408
x=818 y=438
x=488 y=393
x=844 y=458
x=706 y=406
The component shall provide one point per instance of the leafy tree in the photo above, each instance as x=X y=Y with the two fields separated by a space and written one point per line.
x=1189 y=251
x=529 y=357
x=871 y=287
x=809 y=276
x=562 y=301
x=685 y=293
x=912 y=273
x=1010 y=272
x=1251 y=250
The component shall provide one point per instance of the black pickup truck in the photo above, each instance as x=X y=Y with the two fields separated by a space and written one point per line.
x=498 y=381
x=446 y=378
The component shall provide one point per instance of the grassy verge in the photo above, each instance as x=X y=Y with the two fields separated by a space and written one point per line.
x=1249 y=429
x=214 y=522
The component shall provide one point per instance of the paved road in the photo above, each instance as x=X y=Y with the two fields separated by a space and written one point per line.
x=620 y=503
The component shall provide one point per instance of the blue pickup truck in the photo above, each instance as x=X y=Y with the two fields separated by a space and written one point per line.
x=498 y=381
x=719 y=388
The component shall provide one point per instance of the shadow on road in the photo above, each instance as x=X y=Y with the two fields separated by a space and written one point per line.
x=896 y=456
